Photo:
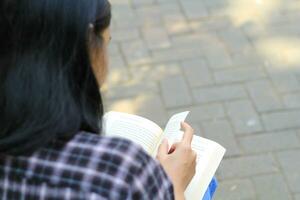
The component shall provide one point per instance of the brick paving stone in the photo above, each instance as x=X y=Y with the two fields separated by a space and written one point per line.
x=202 y=112
x=297 y=197
x=254 y=32
x=293 y=179
x=175 y=91
x=239 y=74
x=218 y=11
x=131 y=22
x=290 y=163
x=211 y=24
x=149 y=11
x=156 y=38
x=191 y=39
x=292 y=100
x=122 y=8
x=244 y=117
x=210 y=42
x=145 y=16
x=194 y=9
x=142 y=2
x=219 y=93
x=164 y=55
x=129 y=89
x=218 y=58
x=121 y=35
x=118 y=2
x=268 y=142
x=118 y=71
x=264 y=95
x=197 y=72
x=285 y=24
x=166 y=1
x=134 y=105
x=235 y=190
x=271 y=187
x=169 y=8
x=284 y=81
x=221 y=132
x=113 y=49
x=247 y=166
x=124 y=11
x=234 y=39
x=214 y=3
x=246 y=58
x=176 y=54
x=135 y=52
x=281 y=120
x=176 y=24
x=155 y=72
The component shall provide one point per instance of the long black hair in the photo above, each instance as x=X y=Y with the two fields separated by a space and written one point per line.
x=47 y=86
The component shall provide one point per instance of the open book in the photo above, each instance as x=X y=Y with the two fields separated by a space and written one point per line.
x=149 y=135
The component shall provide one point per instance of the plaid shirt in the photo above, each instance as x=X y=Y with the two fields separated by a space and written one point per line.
x=86 y=167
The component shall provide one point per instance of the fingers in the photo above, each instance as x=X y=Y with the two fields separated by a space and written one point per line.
x=173 y=147
x=163 y=148
x=188 y=133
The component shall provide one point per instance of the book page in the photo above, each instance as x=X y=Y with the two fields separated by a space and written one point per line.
x=135 y=128
x=209 y=156
x=172 y=131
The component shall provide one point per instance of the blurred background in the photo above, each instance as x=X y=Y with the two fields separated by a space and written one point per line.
x=235 y=64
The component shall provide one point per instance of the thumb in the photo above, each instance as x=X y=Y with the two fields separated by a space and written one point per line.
x=163 y=148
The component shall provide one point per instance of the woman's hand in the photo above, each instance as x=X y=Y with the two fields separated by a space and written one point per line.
x=180 y=162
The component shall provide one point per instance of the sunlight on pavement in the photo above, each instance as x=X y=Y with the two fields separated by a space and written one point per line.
x=284 y=51
x=251 y=11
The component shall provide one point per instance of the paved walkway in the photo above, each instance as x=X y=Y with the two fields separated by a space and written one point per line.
x=235 y=64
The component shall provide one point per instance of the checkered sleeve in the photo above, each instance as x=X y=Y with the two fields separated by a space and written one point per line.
x=151 y=181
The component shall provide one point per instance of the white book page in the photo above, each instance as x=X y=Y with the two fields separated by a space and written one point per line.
x=172 y=131
x=135 y=128
x=209 y=156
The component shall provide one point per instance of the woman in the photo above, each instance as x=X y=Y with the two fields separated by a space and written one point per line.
x=53 y=60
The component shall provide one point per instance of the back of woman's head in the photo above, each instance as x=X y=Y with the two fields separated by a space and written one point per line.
x=47 y=86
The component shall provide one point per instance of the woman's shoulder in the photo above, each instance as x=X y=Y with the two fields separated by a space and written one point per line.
x=99 y=144
x=107 y=150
